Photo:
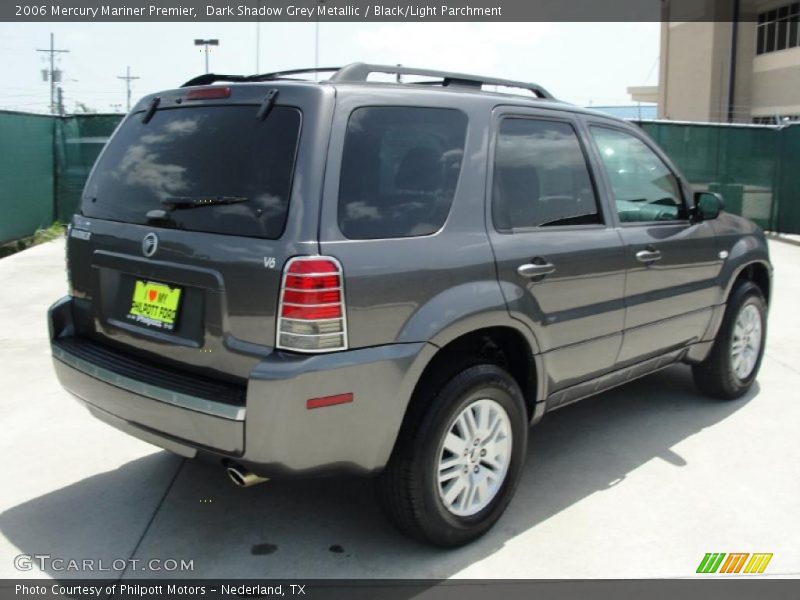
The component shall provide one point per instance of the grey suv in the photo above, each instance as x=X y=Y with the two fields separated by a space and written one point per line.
x=391 y=278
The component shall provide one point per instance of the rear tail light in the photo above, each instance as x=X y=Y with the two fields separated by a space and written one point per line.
x=311 y=312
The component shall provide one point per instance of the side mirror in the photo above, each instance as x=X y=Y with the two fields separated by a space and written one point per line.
x=707 y=205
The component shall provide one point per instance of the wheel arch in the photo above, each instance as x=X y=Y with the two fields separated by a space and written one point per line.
x=757 y=272
x=507 y=344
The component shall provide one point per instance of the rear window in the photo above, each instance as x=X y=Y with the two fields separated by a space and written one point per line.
x=205 y=154
x=400 y=167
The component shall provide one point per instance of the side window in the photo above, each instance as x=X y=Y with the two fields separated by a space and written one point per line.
x=400 y=166
x=644 y=187
x=540 y=177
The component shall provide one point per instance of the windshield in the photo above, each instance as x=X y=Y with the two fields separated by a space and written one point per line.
x=204 y=152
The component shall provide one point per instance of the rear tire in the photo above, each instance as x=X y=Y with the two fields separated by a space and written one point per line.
x=476 y=421
x=732 y=366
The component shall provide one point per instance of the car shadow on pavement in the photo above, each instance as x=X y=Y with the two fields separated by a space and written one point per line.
x=332 y=528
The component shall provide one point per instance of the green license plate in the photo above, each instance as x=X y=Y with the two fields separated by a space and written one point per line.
x=155 y=304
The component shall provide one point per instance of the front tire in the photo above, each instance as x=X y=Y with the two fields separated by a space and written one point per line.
x=458 y=459
x=732 y=366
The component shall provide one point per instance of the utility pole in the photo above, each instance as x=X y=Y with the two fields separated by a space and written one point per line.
x=206 y=43
x=60 y=101
x=128 y=78
x=52 y=51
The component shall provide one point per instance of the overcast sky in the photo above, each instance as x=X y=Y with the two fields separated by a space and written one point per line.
x=582 y=63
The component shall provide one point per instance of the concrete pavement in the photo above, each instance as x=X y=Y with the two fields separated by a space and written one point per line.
x=641 y=481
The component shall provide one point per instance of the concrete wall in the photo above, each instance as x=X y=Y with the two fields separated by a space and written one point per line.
x=694 y=80
x=776 y=83
x=694 y=74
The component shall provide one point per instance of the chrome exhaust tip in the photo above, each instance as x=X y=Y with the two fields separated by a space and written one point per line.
x=241 y=477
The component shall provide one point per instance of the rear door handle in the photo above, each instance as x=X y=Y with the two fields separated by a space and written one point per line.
x=535 y=270
x=648 y=256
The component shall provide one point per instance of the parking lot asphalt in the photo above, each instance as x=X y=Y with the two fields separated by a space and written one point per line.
x=640 y=481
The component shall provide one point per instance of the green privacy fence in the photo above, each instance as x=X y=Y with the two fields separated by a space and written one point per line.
x=27 y=201
x=755 y=168
x=79 y=139
x=44 y=162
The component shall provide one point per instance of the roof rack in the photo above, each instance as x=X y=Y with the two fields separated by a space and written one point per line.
x=360 y=72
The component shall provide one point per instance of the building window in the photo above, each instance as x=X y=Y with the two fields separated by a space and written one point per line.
x=777 y=120
x=778 y=29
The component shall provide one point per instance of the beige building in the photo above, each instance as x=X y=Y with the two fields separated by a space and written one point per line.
x=744 y=70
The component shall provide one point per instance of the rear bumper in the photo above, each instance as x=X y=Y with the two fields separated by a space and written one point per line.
x=271 y=430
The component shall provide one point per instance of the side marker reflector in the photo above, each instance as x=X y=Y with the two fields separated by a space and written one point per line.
x=329 y=400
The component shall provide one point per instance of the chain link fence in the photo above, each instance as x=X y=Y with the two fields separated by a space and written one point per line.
x=755 y=168
x=44 y=162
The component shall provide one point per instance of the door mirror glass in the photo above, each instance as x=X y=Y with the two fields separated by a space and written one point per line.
x=708 y=205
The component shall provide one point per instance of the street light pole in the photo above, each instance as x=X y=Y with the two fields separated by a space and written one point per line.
x=206 y=44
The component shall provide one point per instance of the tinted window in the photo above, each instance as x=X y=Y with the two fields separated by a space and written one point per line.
x=399 y=171
x=200 y=153
x=644 y=187
x=540 y=177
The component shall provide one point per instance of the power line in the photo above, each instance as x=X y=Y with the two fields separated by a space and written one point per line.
x=128 y=78
x=52 y=51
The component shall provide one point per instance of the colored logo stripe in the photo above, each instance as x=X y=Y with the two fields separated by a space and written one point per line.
x=710 y=562
x=713 y=562
x=734 y=562
x=758 y=563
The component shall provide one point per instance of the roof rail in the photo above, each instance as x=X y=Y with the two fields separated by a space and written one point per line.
x=360 y=72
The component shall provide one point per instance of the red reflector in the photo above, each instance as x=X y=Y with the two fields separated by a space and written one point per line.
x=333 y=311
x=312 y=283
x=312 y=266
x=208 y=93
x=293 y=297
x=329 y=400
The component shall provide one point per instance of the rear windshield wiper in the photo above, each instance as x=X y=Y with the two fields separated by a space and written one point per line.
x=184 y=202
x=267 y=104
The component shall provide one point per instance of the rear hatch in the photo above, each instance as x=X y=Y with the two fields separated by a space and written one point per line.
x=188 y=217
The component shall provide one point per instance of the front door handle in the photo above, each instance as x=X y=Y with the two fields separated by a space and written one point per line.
x=649 y=255
x=536 y=270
